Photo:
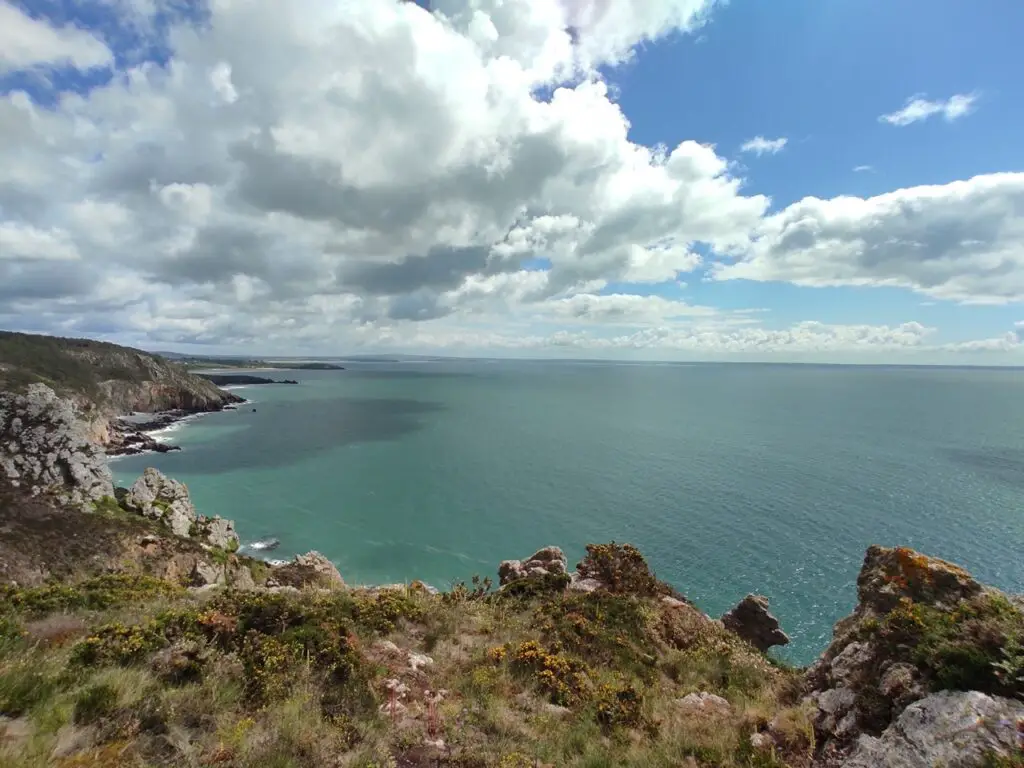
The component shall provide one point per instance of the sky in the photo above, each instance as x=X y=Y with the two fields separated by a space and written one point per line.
x=794 y=180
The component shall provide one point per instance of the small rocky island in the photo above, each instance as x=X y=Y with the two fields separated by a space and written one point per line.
x=135 y=632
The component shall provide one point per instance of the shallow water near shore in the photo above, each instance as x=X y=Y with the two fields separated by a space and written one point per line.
x=730 y=478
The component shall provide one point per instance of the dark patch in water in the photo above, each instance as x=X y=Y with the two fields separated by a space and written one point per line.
x=1003 y=464
x=283 y=433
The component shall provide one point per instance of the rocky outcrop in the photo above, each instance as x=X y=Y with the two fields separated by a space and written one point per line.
x=310 y=569
x=962 y=729
x=752 y=621
x=543 y=562
x=863 y=684
x=167 y=500
x=44 y=448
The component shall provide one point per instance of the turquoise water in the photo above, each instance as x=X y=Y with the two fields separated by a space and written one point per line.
x=730 y=478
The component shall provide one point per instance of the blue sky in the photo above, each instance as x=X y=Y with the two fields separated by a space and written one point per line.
x=328 y=176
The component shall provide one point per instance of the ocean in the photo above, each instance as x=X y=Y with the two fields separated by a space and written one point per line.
x=730 y=478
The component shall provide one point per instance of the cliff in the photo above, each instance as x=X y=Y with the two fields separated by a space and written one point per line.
x=104 y=380
x=132 y=635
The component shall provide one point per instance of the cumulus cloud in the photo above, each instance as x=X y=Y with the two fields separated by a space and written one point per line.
x=26 y=43
x=920 y=108
x=962 y=241
x=374 y=174
x=759 y=145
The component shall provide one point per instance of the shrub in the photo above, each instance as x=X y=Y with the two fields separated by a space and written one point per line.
x=382 y=611
x=96 y=593
x=968 y=648
x=621 y=568
x=619 y=706
x=564 y=680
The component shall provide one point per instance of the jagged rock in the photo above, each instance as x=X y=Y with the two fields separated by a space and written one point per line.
x=704 y=703
x=762 y=742
x=218 y=532
x=854 y=685
x=891 y=574
x=549 y=560
x=948 y=729
x=310 y=569
x=751 y=620
x=45 y=448
x=162 y=498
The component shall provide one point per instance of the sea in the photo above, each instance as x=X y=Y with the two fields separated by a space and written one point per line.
x=730 y=478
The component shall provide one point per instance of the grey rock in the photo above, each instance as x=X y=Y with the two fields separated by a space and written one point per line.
x=45 y=448
x=580 y=583
x=71 y=739
x=948 y=729
x=902 y=684
x=849 y=665
x=549 y=560
x=159 y=497
x=752 y=621
x=14 y=732
x=218 y=532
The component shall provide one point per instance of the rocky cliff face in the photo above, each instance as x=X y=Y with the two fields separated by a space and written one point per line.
x=920 y=625
x=45 y=449
x=104 y=380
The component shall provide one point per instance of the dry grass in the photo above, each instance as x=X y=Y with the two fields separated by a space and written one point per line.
x=553 y=679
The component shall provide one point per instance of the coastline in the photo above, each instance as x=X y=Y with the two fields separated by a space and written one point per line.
x=144 y=433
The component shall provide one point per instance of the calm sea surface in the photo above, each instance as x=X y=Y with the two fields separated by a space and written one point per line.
x=730 y=478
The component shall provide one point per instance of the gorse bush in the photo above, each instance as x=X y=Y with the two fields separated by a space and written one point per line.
x=976 y=646
x=622 y=569
x=96 y=593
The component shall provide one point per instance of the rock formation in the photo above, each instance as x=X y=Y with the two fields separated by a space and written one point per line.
x=311 y=568
x=952 y=729
x=544 y=562
x=161 y=498
x=864 y=680
x=44 y=448
x=752 y=621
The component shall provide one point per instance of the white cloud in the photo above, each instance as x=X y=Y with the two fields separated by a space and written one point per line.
x=759 y=145
x=26 y=42
x=962 y=241
x=371 y=174
x=863 y=168
x=920 y=108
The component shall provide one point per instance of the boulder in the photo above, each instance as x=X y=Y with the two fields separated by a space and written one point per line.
x=159 y=497
x=962 y=729
x=752 y=621
x=546 y=561
x=45 y=448
x=217 y=531
x=310 y=569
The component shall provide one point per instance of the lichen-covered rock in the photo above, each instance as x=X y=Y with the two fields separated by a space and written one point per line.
x=888 y=575
x=752 y=621
x=544 y=562
x=45 y=448
x=857 y=684
x=157 y=496
x=963 y=729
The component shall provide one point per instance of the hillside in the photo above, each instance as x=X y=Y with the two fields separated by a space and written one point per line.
x=104 y=378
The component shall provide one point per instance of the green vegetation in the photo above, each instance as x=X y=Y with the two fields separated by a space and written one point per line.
x=157 y=675
x=67 y=365
x=976 y=646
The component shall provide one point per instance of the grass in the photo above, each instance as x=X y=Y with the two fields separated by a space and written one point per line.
x=157 y=675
